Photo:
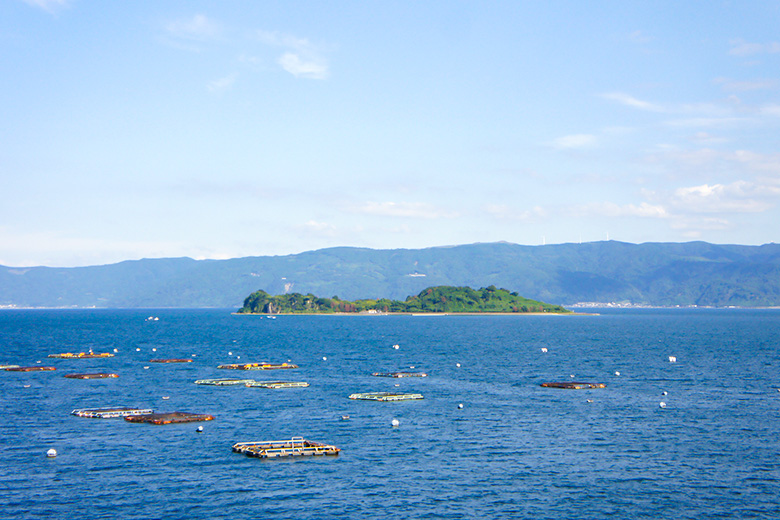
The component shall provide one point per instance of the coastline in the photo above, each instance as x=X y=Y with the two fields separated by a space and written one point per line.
x=419 y=314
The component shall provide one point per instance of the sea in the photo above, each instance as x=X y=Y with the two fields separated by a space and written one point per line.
x=688 y=426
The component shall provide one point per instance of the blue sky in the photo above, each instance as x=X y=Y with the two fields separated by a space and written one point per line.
x=224 y=129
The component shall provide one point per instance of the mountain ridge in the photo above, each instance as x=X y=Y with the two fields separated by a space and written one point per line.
x=651 y=273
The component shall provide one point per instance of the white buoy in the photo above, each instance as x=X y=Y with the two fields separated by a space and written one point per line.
x=672 y=359
x=544 y=349
x=662 y=404
x=395 y=423
x=460 y=406
x=324 y=358
x=138 y=350
x=664 y=392
x=590 y=400
x=116 y=350
x=411 y=366
x=617 y=373
x=199 y=429
x=51 y=453
x=572 y=376
x=166 y=397
x=230 y=353
x=154 y=350
x=238 y=357
x=146 y=368
x=457 y=365
x=396 y=347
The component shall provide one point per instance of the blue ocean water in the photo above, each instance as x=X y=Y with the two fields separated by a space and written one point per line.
x=514 y=450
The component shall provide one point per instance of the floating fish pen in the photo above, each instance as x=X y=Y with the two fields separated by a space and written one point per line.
x=36 y=368
x=400 y=374
x=82 y=355
x=111 y=412
x=278 y=384
x=385 y=396
x=573 y=385
x=225 y=381
x=257 y=366
x=171 y=360
x=295 y=447
x=169 y=418
x=91 y=376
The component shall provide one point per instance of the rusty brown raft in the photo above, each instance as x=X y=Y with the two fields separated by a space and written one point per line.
x=573 y=385
x=91 y=376
x=171 y=360
x=169 y=418
x=30 y=369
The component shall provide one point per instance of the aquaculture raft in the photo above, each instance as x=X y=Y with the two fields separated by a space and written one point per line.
x=295 y=447
x=278 y=384
x=169 y=418
x=257 y=366
x=400 y=374
x=5 y=367
x=91 y=376
x=227 y=381
x=81 y=355
x=385 y=396
x=171 y=360
x=573 y=385
x=110 y=412
x=36 y=368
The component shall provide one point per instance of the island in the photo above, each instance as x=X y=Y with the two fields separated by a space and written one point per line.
x=435 y=300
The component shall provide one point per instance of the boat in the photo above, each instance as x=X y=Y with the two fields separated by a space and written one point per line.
x=82 y=355
x=169 y=418
x=225 y=381
x=91 y=376
x=385 y=396
x=278 y=384
x=257 y=366
x=295 y=447
x=110 y=412
x=400 y=374
x=573 y=385
x=36 y=368
x=171 y=360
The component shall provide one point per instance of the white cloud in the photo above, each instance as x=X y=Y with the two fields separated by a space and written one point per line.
x=403 y=209
x=740 y=47
x=771 y=109
x=610 y=209
x=302 y=67
x=47 y=5
x=301 y=58
x=319 y=228
x=744 y=86
x=630 y=101
x=199 y=27
x=737 y=197
x=218 y=85
x=503 y=211
x=575 y=141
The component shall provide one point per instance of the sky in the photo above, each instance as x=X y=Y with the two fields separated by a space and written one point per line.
x=153 y=129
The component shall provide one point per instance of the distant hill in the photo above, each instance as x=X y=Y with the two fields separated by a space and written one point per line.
x=693 y=273
x=443 y=299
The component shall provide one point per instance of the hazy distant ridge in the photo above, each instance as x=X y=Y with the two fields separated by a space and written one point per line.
x=693 y=273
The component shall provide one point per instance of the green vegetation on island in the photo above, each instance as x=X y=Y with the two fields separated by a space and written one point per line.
x=443 y=299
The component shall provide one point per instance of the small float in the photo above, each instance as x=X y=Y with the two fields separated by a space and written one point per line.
x=385 y=396
x=100 y=375
x=171 y=360
x=278 y=384
x=295 y=447
x=573 y=385
x=400 y=374
x=257 y=366
x=169 y=418
x=110 y=412
x=36 y=368
x=224 y=381
x=82 y=355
